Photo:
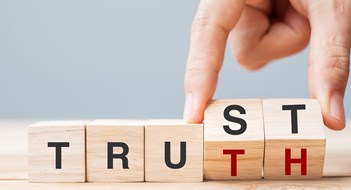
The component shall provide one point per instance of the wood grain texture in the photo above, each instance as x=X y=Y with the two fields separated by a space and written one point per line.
x=249 y=165
x=42 y=159
x=98 y=134
x=279 y=136
x=338 y=153
x=320 y=184
x=13 y=167
x=157 y=132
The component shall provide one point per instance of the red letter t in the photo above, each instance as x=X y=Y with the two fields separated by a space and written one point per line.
x=234 y=154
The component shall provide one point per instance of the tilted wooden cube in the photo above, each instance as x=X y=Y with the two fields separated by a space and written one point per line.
x=234 y=139
x=173 y=151
x=115 y=151
x=56 y=151
x=295 y=139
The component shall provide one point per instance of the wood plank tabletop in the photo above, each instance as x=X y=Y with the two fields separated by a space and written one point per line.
x=13 y=167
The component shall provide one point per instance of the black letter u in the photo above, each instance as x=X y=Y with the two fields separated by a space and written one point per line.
x=168 y=155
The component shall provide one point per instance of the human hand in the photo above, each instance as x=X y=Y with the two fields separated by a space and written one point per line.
x=260 y=31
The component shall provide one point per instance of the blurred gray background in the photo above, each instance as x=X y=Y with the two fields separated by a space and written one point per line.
x=116 y=59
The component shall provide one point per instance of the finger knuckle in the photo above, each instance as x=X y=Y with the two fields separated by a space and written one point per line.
x=200 y=23
x=302 y=40
x=244 y=58
x=198 y=74
x=339 y=63
x=336 y=67
x=197 y=71
x=339 y=66
x=337 y=58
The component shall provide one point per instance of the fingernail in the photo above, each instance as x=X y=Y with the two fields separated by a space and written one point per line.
x=337 y=108
x=188 y=108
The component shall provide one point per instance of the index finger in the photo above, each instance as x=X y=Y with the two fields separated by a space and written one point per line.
x=211 y=26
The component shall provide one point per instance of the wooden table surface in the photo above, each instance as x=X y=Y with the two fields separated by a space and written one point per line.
x=13 y=167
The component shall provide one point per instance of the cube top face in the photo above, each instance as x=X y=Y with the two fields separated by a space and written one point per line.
x=115 y=151
x=169 y=122
x=249 y=110
x=46 y=139
x=65 y=123
x=279 y=120
x=117 y=122
x=185 y=146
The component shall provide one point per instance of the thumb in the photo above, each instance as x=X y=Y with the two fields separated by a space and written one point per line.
x=330 y=59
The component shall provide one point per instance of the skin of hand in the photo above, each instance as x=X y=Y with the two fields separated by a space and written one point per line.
x=260 y=31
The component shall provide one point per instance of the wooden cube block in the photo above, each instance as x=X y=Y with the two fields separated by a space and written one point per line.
x=173 y=151
x=295 y=140
x=234 y=139
x=57 y=151
x=115 y=151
